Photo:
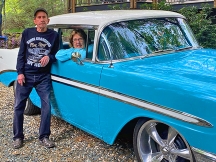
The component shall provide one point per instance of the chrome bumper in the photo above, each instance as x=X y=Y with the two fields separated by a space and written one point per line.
x=203 y=156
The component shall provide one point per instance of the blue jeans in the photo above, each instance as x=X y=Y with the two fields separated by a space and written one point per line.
x=42 y=84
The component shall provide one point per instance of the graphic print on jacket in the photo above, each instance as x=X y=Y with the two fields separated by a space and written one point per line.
x=37 y=47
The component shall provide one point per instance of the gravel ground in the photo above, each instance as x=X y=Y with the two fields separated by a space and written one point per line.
x=73 y=145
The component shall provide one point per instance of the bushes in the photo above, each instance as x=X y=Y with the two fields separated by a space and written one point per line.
x=19 y=13
x=162 y=5
x=207 y=36
x=201 y=24
x=13 y=41
x=199 y=21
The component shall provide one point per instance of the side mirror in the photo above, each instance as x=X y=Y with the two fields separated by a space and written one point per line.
x=76 y=58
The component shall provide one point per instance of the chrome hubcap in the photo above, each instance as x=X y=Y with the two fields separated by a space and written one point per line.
x=158 y=142
x=166 y=151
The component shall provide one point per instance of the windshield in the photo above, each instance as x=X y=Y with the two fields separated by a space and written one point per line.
x=134 y=38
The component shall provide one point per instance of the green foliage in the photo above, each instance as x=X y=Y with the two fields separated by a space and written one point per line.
x=207 y=36
x=201 y=25
x=146 y=6
x=199 y=21
x=118 y=7
x=162 y=5
x=19 y=13
x=85 y=9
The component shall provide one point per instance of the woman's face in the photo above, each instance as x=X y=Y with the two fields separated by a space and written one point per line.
x=78 y=41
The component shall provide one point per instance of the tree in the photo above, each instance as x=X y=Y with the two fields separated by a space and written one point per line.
x=201 y=24
x=19 y=13
x=1 y=8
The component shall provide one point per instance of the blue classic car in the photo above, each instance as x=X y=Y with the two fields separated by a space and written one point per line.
x=147 y=76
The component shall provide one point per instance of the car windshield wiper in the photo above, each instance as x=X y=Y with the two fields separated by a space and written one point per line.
x=164 y=50
x=179 y=49
x=169 y=49
x=155 y=53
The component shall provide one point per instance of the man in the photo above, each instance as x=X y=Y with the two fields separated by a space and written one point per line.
x=36 y=54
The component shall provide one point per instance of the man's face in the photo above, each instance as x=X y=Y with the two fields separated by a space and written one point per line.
x=41 y=20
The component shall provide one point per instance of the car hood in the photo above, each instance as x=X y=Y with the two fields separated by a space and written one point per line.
x=185 y=81
x=194 y=67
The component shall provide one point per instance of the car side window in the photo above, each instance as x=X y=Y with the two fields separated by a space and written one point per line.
x=90 y=36
x=65 y=40
x=65 y=35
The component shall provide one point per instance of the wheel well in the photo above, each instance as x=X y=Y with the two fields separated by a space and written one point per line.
x=126 y=133
x=11 y=83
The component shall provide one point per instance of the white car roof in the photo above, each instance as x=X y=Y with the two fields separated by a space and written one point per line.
x=102 y=18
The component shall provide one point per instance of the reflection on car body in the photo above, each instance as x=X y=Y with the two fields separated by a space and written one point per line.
x=147 y=75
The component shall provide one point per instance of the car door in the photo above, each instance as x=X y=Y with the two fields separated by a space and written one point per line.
x=75 y=94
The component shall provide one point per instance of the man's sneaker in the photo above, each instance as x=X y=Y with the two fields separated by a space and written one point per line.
x=17 y=143
x=47 y=143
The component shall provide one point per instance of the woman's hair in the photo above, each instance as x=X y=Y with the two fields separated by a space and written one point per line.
x=80 y=32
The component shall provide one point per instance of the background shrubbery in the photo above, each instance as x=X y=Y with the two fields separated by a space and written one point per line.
x=13 y=41
x=201 y=24
x=18 y=15
x=199 y=20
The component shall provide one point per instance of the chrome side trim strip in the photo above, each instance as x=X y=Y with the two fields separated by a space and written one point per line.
x=4 y=71
x=156 y=108
x=203 y=156
x=134 y=101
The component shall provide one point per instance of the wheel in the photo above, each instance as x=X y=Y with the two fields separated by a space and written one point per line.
x=30 y=108
x=154 y=141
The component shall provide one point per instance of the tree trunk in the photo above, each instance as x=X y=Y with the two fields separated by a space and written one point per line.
x=0 y=24
x=0 y=29
x=155 y=2
x=1 y=8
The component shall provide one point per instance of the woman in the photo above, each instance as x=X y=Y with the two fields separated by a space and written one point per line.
x=77 y=40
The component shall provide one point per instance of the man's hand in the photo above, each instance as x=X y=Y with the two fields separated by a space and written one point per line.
x=44 y=61
x=21 y=79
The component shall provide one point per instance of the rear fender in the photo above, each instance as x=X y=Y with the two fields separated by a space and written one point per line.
x=8 y=77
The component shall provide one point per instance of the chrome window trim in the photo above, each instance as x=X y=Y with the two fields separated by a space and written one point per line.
x=71 y=26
